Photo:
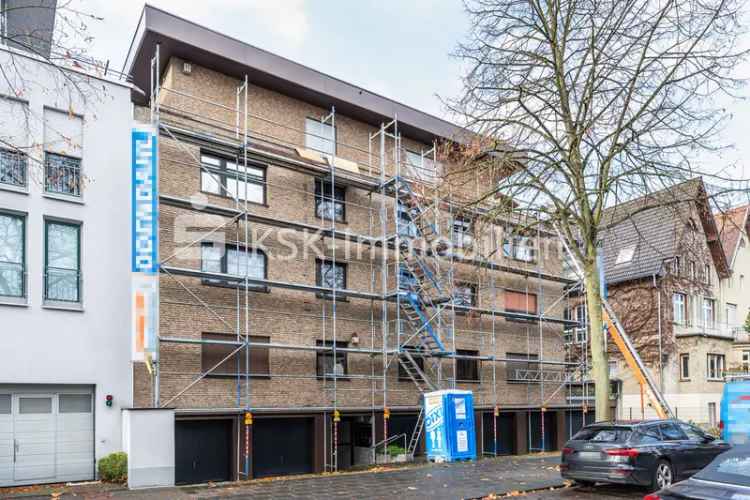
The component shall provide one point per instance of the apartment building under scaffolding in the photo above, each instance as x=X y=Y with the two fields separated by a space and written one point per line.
x=318 y=273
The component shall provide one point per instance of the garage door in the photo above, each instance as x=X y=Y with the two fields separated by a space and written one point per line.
x=535 y=431
x=46 y=438
x=506 y=434
x=282 y=446
x=203 y=450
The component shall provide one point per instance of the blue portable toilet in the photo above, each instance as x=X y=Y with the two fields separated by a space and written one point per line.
x=735 y=411
x=449 y=425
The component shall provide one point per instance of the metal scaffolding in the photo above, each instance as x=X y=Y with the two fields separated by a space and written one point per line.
x=415 y=223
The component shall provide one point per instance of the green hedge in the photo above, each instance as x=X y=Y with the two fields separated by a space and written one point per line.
x=114 y=467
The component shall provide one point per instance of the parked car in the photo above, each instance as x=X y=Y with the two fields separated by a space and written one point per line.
x=652 y=453
x=727 y=477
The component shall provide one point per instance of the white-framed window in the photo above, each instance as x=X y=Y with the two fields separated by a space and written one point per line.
x=709 y=312
x=746 y=361
x=731 y=314
x=422 y=167
x=707 y=274
x=679 y=308
x=462 y=234
x=520 y=248
x=715 y=367
x=685 y=366
x=320 y=137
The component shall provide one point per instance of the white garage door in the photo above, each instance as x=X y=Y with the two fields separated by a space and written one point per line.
x=46 y=437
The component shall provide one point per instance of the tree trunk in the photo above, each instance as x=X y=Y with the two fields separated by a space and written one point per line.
x=599 y=358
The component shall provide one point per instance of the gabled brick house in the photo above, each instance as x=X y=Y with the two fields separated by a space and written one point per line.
x=664 y=263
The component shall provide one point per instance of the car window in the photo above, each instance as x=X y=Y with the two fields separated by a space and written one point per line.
x=670 y=432
x=648 y=435
x=692 y=433
x=732 y=467
x=603 y=434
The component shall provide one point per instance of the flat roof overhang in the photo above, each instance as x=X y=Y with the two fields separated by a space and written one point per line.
x=185 y=39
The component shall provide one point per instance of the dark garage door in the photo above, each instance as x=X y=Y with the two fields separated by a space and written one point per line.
x=535 y=431
x=282 y=446
x=202 y=451
x=506 y=434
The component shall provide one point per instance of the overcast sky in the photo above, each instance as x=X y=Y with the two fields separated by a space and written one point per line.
x=400 y=49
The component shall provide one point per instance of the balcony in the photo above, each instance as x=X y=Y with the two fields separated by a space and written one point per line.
x=711 y=329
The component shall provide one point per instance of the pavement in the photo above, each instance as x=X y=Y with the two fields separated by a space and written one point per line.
x=590 y=493
x=487 y=477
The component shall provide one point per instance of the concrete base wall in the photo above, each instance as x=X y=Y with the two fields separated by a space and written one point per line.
x=148 y=439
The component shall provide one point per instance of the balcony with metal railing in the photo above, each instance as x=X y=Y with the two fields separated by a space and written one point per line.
x=716 y=329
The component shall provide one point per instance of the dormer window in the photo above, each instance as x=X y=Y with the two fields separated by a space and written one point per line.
x=625 y=255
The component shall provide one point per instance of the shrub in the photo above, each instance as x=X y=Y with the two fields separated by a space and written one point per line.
x=114 y=467
x=394 y=449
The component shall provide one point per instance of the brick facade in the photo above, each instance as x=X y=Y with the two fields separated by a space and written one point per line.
x=189 y=307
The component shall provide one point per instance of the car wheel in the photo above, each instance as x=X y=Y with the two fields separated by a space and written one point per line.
x=663 y=475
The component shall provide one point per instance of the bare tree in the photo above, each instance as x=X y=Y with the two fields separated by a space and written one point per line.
x=55 y=33
x=600 y=101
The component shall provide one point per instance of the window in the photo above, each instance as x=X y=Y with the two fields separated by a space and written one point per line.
x=74 y=403
x=13 y=167
x=582 y=314
x=648 y=435
x=462 y=233
x=12 y=255
x=625 y=255
x=5 y=402
x=34 y=405
x=679 y=308
x=224 y=177
x=715 y=368
x=62 y=262
x=671 y=432
x=520 y=302
x=692 y=433
x=465 y=294
x=746 y=361
x=320 y=137
x=235 y=261
x=731 y=315
x=522 y=368
x=329 y=205
x=212 y=354
x=519 y=248
x=712 y=414
x=418 y=359
x=325 y=365
x=62 y=174
x=421 y=167
x=707 y=274
x=693 y=271
x=467 y=370
x=709 y=312
x=330 y=275
x=684 y=366
x=677 y=266
x=406 y=226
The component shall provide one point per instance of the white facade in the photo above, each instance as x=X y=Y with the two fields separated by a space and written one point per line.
x=63 y=338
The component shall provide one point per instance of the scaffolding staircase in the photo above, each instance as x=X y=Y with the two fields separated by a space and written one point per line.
x=424 y=293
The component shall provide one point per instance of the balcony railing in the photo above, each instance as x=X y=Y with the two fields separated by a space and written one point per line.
x=62 y=285
x=12 y=279
x=716 y=329
x=13 y=166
